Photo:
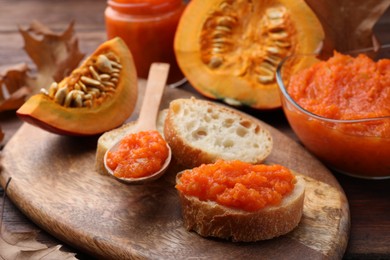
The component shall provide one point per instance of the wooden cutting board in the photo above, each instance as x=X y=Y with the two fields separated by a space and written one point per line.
x=54 y=183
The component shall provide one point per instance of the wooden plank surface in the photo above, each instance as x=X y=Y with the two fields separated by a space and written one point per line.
x=54 y=183
x=369 y=200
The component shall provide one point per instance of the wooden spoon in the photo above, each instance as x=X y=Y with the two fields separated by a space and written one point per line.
x=157 y=79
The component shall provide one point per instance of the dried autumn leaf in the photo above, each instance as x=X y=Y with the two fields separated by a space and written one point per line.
x=348 y=25
x=13 y=87
x=25 y=246
x=55 y=55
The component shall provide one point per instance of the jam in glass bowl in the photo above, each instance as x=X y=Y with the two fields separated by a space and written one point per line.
x=329 y=109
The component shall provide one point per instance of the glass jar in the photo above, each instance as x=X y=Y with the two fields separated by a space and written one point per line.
x=148 y=27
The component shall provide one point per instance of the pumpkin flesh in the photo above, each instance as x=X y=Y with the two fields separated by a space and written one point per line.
x=229 y=50
x=109 y=106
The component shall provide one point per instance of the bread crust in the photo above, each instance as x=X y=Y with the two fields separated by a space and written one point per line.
x=210 y=219
x=184 y=153
x=191 y=155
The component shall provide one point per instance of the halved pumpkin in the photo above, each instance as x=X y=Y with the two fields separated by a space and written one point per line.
x=229 y=50
x=96 y=97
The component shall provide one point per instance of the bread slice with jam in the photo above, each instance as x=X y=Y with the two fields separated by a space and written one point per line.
x=209 y=218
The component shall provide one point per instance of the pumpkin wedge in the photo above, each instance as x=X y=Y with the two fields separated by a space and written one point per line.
x=96 y=97
x=229 y=50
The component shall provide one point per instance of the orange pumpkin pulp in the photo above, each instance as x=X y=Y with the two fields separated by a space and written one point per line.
x=238 y=184
x=139 y=155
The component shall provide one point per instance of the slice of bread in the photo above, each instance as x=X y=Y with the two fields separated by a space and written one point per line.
x=209 y=219
x=109 y=138
x=199 y=131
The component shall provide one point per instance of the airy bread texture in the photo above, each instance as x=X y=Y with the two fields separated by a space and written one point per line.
x=199 y=131
x=109 y=138
x=210 y=219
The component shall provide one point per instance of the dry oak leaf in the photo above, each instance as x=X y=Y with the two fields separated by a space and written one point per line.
x=348 y=24
x=55 y=55
x=13 y=87
x=23 y=246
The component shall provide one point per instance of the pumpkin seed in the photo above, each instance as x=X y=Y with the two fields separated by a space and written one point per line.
x=275 y=24
x=103 y=64
x=219 y=34
x=115 y=75
x=110 y=89
x=223 y=28
x=115 y=70
x=89 y=81
x=265 y=79
x=94 y=74
x=53 y=89
x=112 y=57
x=82 y=86
x=60 y=95
x=72 y=95
x=78 y=101
x=87 y=96
x=68 y=99
x=283 y=44
x=266 y=73
x=217 y=50
x=274 y=60
x=44 y=91
x=116 y=64
x=226 y=21
x=275 y=13
x=268 y=66
x=272 y=49
x=279 y=35
x=108 y=83
x=104 y=77
x=215 y=62
x=224 y=5
x=218 y=45
x=221 y=40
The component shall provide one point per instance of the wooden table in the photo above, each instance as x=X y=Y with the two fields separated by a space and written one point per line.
x=369 y=201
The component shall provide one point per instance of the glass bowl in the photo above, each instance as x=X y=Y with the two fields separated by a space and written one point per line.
x=347 y=146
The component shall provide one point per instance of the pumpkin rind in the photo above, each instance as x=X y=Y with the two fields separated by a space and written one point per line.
x=42 y=111
x=224 y=47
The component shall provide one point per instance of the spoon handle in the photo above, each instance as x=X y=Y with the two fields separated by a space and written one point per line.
x=155 y=85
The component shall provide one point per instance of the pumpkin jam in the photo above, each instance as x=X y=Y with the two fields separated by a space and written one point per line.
x=345 y=87
x=139 y=155
x=238 y=184
x=148 y=27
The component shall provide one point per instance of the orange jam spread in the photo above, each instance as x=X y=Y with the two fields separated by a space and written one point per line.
x=238 y=184
x=345 y=87
x=139 y=155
